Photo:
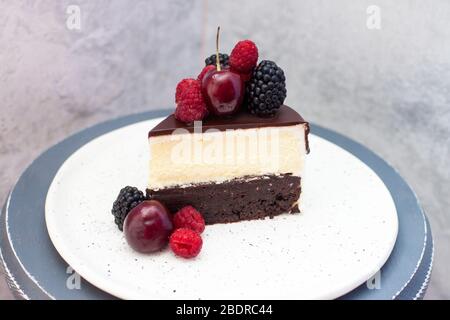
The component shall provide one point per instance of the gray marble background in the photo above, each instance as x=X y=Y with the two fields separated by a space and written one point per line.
x=388 y=89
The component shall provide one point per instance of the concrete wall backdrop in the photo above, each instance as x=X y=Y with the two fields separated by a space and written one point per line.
x=387 y=88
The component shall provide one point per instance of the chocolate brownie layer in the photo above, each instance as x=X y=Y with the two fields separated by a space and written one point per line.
x=235 y=200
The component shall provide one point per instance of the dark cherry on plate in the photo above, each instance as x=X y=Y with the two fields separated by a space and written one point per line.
x=148 y=226
x=223 y=91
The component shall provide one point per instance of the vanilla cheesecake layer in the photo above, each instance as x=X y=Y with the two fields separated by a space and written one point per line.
x=185 y=158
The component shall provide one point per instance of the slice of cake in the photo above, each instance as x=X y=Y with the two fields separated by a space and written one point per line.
x=230 y=168
x=230 y=151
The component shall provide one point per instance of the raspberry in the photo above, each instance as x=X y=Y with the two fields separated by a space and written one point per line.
x=244 y=56
x=181 y=86
x=205 y=70
x=189 y=218
x=185 y=243
x=190 y=104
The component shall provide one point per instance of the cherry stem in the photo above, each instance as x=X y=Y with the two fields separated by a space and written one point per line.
x=217 y=49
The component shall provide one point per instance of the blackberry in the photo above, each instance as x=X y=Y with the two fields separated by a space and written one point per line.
x=223 y=58
x=128 y=198
x=266 y=89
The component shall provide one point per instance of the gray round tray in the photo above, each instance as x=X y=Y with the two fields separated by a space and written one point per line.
x=35 y=270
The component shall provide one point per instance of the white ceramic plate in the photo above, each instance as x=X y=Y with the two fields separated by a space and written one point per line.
x=343 y=236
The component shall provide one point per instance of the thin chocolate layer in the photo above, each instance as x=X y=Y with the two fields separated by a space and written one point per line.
x=243 y=120
x=239 y=199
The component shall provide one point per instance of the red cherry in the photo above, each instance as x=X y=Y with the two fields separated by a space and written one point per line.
x=148 y=226
x=204 y=71
x=223 y=91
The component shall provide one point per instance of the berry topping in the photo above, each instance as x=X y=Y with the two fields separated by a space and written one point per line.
x=128 y=198
x=223 y=92
x=223 y=59
x=266 y=90
x=223 y=89
x=244 y=56
x=148 y=226
x=189 y=218
x=186 y=243
x=181 y=87
x=190 y=104
x=205 y=70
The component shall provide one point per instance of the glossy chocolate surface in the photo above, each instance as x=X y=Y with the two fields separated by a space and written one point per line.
x=286 y=116
x=243 y=120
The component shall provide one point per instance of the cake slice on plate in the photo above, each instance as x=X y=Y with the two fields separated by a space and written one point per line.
x=231 y=151
x=230 y=168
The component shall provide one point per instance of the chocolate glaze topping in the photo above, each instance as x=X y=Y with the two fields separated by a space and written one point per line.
x=243 y=120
